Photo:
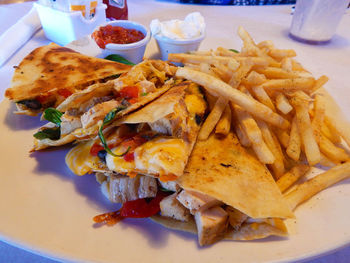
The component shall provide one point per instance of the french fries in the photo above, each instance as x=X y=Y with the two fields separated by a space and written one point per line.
x=212 y=118
x=311 y=187
x=219 y=87
x=289 y=178
x=301 y=106
x=266 y=89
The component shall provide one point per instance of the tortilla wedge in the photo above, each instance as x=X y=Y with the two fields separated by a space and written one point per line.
x=230 y=174
x=50 y=73
x=84 y=111
x=171 y=131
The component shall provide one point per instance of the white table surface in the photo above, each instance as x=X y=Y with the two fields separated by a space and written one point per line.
x=273 y=15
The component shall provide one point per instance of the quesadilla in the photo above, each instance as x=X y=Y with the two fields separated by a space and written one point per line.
x=82 y=114
x=229 y=194
x=155 y=141
x=51 y=73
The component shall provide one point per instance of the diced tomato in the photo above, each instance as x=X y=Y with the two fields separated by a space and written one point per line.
x=129 y=92
x=64 y=92
x=43 y=98
x=129 y=157
x=133 y=100
x=140 y=208
x=134 y=142
x=95 y=149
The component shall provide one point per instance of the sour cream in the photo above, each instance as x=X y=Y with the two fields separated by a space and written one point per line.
x=192 y=27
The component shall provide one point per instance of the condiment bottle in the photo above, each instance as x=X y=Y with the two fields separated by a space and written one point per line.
x=116 y=9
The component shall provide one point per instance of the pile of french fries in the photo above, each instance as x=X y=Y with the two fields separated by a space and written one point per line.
x=273 y=105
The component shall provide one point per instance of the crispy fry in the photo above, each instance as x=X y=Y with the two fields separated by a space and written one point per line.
x=326 y=162
x=274 y=147
x=293 y=175
x=294 y=144
x=286 y=64
x=251 y=129
x=261 y=95
x=331 y=126
x=300 y=105
x=254 y=107
x=282 y=103
x=189 y=58
x=311 y=187
x=318 y=118
x=283 y=137
x=304 y=84
x=212 y=119
x=319 y=83
x=254 y=78
x=336 y=154
x=224 y=125
x=277 y=73
x=243 y=138
x=297 y=66
x=279 y=54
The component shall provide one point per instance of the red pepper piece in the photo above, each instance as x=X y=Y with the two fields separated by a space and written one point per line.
x=129 y=157
x=129 y=92
x=95 y=149
x=140 y=208
x=64 y=92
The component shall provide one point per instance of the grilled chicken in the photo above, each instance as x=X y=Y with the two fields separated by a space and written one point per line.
x=69 y=123
x=170 y=185
x=211 y=225
x=171 y=207
x=123 y=188
x=235 y=217
x=196 y=201
x=97 y=112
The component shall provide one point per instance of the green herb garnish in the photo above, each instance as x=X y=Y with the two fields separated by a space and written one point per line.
x=234 y=50
x=144 y=93
x=120 y=59
x=53 y=115
x=107 y=120
x=49 y=133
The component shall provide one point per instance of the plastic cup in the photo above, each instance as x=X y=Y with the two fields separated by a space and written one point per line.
x=167 y=45
x=316 y=21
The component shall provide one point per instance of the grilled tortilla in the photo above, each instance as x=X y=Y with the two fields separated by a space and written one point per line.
x=84 y=111
x=223 y=170
x=161 y=137
x=51 y=73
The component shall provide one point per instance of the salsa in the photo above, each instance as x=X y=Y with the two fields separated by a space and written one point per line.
x=116 y=35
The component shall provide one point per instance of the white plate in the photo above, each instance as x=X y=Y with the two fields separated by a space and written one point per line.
x=48 y=210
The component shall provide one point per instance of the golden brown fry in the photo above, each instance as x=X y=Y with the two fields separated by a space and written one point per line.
x=283 y=137
x=319 y=83
x=254 y=107
x=301 y=106
x=261 y=95
x=279 y=54
x=293 y=175
x=241 y=72
x=331 y=126
x=336 y=154
x=286 y=64
x=224 y=125
x=294 y=144
x=326 y=162
x=277 y=73
x=251 y=129
x=283 y=104
x=318 y=116
x=243 y=138
x=297 y=66
x=212 y=119
x=274 y=147
x=304 y=84
x=333 y=137
x=189 y=58
x=318 y=183
x=254 y=78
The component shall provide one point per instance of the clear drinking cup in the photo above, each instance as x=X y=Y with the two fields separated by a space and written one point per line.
x=316 y=21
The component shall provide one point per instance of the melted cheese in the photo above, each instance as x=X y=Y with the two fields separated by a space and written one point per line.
x=118 y=164
x=162 y=155
x=80 y=161
x=195 y=104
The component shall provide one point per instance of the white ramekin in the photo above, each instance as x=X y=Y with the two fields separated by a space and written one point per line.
x=167 y=45
x=133 y=52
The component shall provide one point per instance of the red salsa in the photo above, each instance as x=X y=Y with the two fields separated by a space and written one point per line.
x=116 y=35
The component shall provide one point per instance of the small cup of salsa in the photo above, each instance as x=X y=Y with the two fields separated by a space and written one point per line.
x=123 y=37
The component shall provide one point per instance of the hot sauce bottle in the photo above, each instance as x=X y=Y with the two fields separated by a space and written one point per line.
x=116 y=9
